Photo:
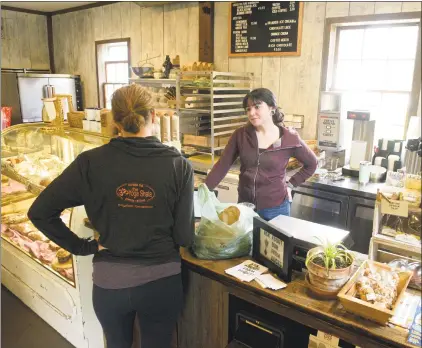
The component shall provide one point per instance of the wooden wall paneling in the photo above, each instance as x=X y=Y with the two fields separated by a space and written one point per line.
x=44 y=55
x=33 y=40
x=146 y=34
x=71 y=51
x=193 y=35
x=24 y=36
x=85 y=67
x=254 y=65
x=90 y=89
x=135 y=35
x=98 y=23
x=5 y=42
x=311 y=63
x=337 y=9
x=300 y=76
x=79 y=43
x=387 y=7
x=58 y=54
x=125 y=18
x=205 y=307
x=411 y=6
x=158 y=36
x=170 y=24
x=271 y=75
x=111 y=30
x=358 y=8
x=116 y=20
x=206 y=31
x=221 y=32
x=14 y=43
x=181 y=15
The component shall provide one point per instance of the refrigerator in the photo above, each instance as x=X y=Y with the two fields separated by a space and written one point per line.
x=24 y=93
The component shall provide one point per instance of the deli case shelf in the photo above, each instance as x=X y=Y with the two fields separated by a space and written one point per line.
x=53 y=283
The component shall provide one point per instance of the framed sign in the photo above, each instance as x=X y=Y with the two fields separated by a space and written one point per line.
x=263 y=28
x=273 y=248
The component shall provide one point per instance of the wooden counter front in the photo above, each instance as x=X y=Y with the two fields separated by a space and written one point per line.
x=204 y=321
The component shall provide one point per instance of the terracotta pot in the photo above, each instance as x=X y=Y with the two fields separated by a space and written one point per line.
x=330 y=281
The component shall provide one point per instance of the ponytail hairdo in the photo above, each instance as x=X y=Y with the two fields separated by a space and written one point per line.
x=131 y=107
x=268 y=97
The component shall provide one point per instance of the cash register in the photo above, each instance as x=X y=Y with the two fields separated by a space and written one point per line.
x=282 y=243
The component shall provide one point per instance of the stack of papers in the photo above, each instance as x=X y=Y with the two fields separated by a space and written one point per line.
x=249 y=270
x=268 y=281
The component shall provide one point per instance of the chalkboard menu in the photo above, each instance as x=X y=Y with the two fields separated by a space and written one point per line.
x=260 y=28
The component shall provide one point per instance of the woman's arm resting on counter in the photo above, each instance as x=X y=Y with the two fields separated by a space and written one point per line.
x=221 y=168
x=64 y=192
x=304 y=155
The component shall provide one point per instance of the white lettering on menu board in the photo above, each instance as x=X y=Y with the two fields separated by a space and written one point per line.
x=271 y=247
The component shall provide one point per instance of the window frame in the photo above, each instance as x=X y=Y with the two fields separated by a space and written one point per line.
x=327 y=64
x=101 y=97
x=366 y=26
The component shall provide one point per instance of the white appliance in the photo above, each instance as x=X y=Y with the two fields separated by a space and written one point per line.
x=25 y=91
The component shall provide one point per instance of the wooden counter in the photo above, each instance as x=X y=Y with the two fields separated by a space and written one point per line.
x=204 y=321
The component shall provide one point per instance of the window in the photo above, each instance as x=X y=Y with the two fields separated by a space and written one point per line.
x=374 y=66
x=113 y=68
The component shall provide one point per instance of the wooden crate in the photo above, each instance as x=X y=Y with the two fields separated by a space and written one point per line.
x=347 y=295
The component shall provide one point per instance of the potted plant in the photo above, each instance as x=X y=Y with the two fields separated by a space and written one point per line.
x=329 y=268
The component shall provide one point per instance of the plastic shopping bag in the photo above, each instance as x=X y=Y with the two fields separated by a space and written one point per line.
x=215 y=239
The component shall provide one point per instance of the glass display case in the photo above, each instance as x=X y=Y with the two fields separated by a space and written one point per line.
x=32 y=156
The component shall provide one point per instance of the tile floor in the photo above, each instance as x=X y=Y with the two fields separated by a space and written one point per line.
x=22 y=328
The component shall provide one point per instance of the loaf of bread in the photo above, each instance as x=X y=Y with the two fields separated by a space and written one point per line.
x=230 y=215
x=37 y=235
x=63 y=256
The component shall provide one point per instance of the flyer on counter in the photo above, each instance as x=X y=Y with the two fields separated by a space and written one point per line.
x=246 y=271
x=415 y=330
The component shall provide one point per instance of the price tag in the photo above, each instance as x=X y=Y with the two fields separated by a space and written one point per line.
x=397 y=208
x=330 y=339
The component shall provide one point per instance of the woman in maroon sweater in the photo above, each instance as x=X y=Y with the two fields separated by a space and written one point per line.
x=264 y=147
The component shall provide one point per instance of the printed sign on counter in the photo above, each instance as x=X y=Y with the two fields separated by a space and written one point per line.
x=271 y=247
x=415 y=330
x=397 y=208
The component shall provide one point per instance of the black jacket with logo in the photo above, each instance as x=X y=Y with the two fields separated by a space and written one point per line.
x=138 y=194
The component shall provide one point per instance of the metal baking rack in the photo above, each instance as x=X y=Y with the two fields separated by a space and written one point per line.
x=211 y=106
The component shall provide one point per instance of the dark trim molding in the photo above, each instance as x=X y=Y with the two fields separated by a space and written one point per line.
x=67 y=10
x=83 y=7
x=50 y=43
x=24 y=10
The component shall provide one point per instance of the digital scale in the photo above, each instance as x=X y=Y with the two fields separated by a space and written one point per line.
x=283 y=243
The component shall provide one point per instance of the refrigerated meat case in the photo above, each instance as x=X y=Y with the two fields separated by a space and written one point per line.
x=56 y=286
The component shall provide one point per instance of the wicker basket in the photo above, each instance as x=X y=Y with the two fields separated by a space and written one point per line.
x=75 y=119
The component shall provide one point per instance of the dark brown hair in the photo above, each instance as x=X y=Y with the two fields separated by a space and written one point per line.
x=131 y=107
x=265 y=95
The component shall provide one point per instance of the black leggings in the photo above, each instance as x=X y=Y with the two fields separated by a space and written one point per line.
x=157 y=304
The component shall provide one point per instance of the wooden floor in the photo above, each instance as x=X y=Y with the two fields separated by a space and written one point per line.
x=22 y=328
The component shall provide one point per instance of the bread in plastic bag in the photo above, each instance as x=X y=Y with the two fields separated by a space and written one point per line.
x=215 y=239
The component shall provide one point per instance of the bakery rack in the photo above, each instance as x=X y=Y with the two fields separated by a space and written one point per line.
x=209 y=104
x=211 y=108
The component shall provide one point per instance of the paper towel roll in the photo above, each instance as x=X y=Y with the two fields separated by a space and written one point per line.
x=165 y=129
x=175 y=128
x=357 y=155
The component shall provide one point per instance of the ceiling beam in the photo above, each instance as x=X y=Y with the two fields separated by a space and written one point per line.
x=24 y=10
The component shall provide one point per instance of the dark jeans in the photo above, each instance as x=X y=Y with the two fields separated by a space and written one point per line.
x=157 y=304
x=270 y=213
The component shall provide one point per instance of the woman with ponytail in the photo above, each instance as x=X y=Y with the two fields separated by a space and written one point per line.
x=264 y=147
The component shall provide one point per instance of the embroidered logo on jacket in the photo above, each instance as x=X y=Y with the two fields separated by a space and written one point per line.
x=135 y=193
